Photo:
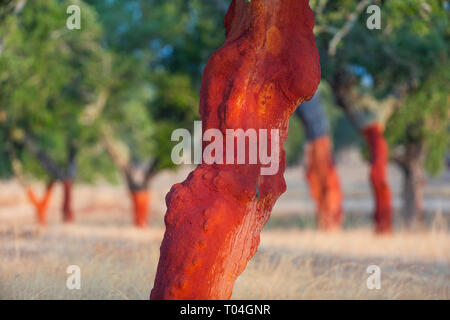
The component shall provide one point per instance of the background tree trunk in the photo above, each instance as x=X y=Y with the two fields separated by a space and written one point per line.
x=41 y=205
x=324 y=183
x=139 y=193
x=321 y=173
x=68 y=216
x=137 y=186
x=414 y=184
x=141 y=206
x=379 y=155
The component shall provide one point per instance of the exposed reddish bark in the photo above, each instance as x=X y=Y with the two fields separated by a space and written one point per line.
x=68 y=216
x=66 y=175
x=268 y=65
x=379 y=153
x=141 y=199
x=41 y=205
x=138 y=181
x=324 y=183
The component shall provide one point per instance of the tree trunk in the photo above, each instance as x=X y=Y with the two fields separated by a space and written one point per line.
x=379 y=154
x=141 y=202
x=324 y=183
x=68 y=216
x=41 y=205
x=413 y=186
x=321 y=171
x=268 y=65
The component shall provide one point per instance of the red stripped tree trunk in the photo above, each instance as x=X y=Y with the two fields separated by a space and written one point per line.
x=68 y=216
x=41 y=205
x=379 y=153
x=141 y=202
x=324 y=183
x=268 y=65
x=138 y=188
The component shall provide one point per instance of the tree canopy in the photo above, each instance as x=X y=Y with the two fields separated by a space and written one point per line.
x=48 y=77
x=133 y=72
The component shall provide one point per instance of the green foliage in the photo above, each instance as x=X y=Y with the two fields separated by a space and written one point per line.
x=425 y=119
x=149 y=55
x=160 y=48
x=295 y=141
x=421 y=42
x=48 y=75
x=405 y=58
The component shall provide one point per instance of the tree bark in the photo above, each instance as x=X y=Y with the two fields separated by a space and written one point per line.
x=31 y=144
x=413 y=185
x=41 y=205
x=379 y=155
x=138 y=188
x=324 y=183
x=321 y=173
x=66 y=175
x=268 y=65
x=68 y=216
x=348 y=98
x=141 y=203
x=140 y=194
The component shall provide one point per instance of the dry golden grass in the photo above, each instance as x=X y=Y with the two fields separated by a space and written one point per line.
x=314 y=265
x=293 y=262
x=120 y=263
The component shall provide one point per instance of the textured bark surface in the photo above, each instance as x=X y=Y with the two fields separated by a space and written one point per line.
x=68 y=216
x=41 y=205
x=268 y=65
x=324 y=183
x=379 y=154
x=140 y=201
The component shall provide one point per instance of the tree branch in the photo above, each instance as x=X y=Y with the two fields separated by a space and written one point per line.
x=14 y=7
x=71 y=159
x=122 y=162
x=94 y=110
x=150 y=172
x=347 y=27
x=46 y=162
x=111 y=148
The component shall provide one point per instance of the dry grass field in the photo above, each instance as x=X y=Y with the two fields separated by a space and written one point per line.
x=294 y=261
x=120 y=263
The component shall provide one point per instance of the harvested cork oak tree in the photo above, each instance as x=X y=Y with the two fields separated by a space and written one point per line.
x=268 y=65
x=379 y=156
x=324 y=183
x=320 y=169
x=41 y=204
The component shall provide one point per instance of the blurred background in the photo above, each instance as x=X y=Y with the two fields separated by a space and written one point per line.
x=86 y=117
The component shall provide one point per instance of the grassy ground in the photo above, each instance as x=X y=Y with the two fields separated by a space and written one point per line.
x=120 y=263
x=293 y=261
